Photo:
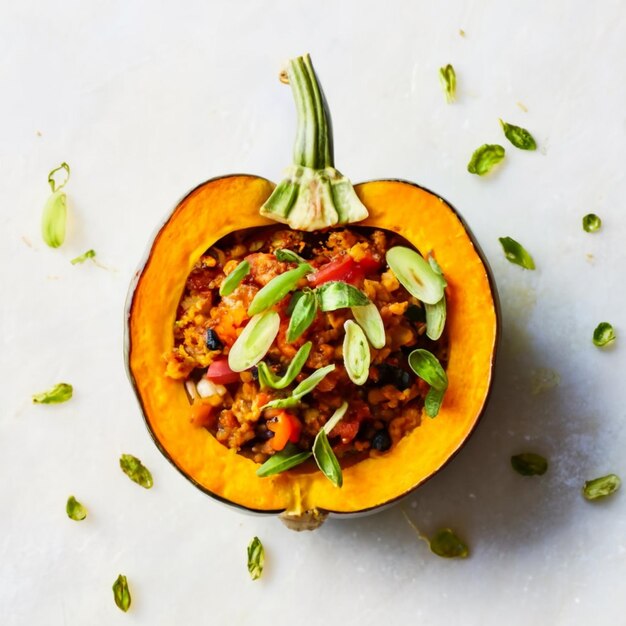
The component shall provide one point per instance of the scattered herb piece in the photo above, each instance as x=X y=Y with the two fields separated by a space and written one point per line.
x=591 y=223
x=75 y=510
x=436 y=313
x=447 y=544
x=267 y=378
x=369 y=319
x=288 y=457
x=356 y=353
x=233 y=280
x=303 y=314
x=288 y=256
x=306 y=386
x=447 y=78
x=61 y=392
x=601 y=487
x=54 y=217
x=415 y=274
x=484 y=158
x=518 y=136
x=254 y=342
x=278 y=288
x=326 y=459
x=121 y=594
x=256 y=558
x=336 y=294
x=516 y=253
x=529 y=464
x=90 y=254
x=136 y=470
x=604 y=334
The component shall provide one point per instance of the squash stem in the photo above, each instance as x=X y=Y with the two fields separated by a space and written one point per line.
x=313 y=195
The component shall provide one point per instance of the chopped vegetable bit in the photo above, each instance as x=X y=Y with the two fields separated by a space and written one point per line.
x=121 y=593
x=75 y=510
x=484 y=158
x=54 y=217
x=601 y=487
x=516 y=253
x=136 y=470
x=90 y=254
x=256 y=558
x=518 y=136
x=61 y=392
x=447 y=78
x=591 y=223
x=447 y=544
x=604 y=334
x=529 y=464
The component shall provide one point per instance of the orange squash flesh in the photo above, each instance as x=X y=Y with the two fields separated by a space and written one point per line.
x=225 y=204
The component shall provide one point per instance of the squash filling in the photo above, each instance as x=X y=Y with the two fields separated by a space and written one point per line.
x=262 y=409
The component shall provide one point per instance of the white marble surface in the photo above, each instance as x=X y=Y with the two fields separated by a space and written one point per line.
x=147 y=99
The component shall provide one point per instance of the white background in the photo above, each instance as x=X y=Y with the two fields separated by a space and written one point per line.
x=147 y=99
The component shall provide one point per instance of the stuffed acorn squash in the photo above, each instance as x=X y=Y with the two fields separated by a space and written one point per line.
x=330 y=365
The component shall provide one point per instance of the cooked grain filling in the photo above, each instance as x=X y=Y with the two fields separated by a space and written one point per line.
x=382 y=411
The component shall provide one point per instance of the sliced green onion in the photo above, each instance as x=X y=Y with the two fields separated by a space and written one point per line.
x=326 y=459
x=136 y=471
x=447 y=544
x=54 y=185
x=484 y=158
x=278 y=288
x=433 y=401
x=90 y=254
x=447 y=78
x=435 y=319
x=415 y=274
x=54 y=219
x=288 y=256
x=256 y=558
x=426 y=365
x=267 y=378
x=604 y=334
x=303 y=314
x=121 y=593
x=305 y=387
x=233 y=280
x=529 y=464
x=75 y=510
x=288 y=457
x=254 y=342
x=516 y=253
x=61 y=392
x=335 y=418
x=356 y=353
x=591 y=223
x=336 y=294
x=369 y=319
x=601 y=487
x=518 y=136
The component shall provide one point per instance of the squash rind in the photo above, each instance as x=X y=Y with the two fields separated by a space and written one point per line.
x=430 y=224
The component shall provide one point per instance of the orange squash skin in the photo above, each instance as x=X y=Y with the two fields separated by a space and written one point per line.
x=222 y=205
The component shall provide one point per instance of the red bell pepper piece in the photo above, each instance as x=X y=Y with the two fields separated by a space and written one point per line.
x=220 y=373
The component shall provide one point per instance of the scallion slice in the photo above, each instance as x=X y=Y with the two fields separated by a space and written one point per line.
x=356 y=353
x=369 y=319
x=254 y=342
x=415 y=274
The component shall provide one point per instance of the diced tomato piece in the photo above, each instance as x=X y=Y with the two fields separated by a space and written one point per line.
x=219 y=372
x=346 y=269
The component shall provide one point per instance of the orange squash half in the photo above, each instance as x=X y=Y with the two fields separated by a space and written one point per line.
x=223 y=205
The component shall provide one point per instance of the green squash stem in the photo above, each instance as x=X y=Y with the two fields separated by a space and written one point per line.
x=313 y=195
